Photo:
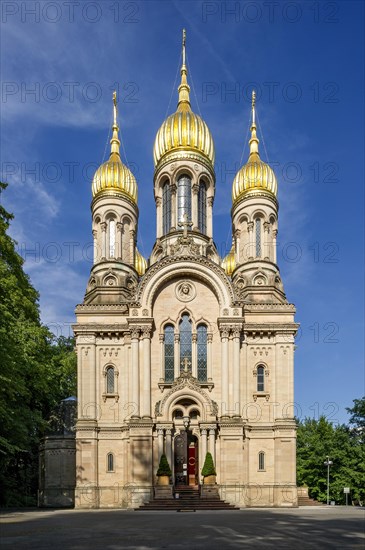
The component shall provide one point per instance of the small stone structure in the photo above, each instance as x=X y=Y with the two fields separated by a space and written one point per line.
x=57 y=459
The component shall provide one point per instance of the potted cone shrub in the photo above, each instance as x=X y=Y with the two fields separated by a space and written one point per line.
x=164 y=471
x=208 y=470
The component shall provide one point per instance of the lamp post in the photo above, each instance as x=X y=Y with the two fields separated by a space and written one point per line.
x=328 y=463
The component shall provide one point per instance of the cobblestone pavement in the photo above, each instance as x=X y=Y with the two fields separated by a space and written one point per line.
x=303 y=528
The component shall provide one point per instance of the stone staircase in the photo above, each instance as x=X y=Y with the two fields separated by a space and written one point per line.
x=187 y=498
x=307 y=501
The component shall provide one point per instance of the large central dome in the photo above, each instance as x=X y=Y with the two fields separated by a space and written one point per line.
x=184 y=132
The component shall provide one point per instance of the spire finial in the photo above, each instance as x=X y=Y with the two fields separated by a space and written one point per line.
x=184 y=88
x=115 y=107
x=254 y=142
x=114 y=142
x=253 y=106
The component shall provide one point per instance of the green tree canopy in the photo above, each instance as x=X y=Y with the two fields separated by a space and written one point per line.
x=317 y=439
x=37 y=371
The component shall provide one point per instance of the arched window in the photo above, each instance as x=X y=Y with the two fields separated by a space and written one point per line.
x=169 y=353
x=202 y=207
x=258 y=237
x=185 y=341
x=112 y=239
x=202 y=352
x=166 y=208
x=184 y=198
x=110 y=462
x=261 y=460
x=260 y=378
x=110 y=380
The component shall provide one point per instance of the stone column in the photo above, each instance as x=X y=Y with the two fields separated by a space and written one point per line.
x=173 y=206
x=118 y=241
x=132 y=234
x=194 y=358
x=236 y=373
x=274 y=235
x=210 y=201
x=251 y=248
x=168 y=447
x=176 y=355
x=146 y=337
x=194 y=206
x=266 y=252
x=212 y=443
x=224 y=367
x=162 y=357
x=103 y=240
x=135 y=372
x=160 y=443
x=95 y=247
x=203 y=444
x=158 y=217
x=209 y=356
x=237 y=235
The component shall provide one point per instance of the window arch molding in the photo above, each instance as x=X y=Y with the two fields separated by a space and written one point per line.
x=261 y=372
x=261 y=461
x=110 y=462
x=111 y=374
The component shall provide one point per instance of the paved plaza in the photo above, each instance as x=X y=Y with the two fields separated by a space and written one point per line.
x=322 y=527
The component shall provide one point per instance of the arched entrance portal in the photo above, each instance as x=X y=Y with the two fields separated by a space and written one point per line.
x=186 y=458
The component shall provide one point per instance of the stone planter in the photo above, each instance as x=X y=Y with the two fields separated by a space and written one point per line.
x=163 y=480
x=209 y=480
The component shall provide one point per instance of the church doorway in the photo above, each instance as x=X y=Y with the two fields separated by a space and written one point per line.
x=186 y=458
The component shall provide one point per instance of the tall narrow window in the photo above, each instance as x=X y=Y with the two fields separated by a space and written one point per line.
x=169 y=353
x=110 y=462
x=202 y=352
x=110 y=380
x=261 y=460
x=166 y=208
x=260 y=378
x=185 y=342
x=184 y=198
x=112 y=239
x=202 y=207
x=258 y=237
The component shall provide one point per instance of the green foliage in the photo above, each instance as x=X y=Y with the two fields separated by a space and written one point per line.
x=37 y=371
x=317 y=439
x=208 y=468
x=164 y=467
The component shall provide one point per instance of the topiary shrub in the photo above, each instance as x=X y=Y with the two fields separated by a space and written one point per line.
x=208 y=468
x=164 y=467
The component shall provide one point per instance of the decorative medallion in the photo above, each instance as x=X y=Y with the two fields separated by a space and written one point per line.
x=185 y=291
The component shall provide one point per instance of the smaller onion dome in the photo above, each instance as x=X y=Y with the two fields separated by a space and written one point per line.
x=140 y=263
x=184 y=131
x=255 y=176
x=113 y=175
x=229 y=262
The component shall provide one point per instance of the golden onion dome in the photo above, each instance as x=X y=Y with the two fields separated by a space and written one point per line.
x=140 y=263
x=229 y=262
x=113 y=175
x=184 y=130
x=255 y=176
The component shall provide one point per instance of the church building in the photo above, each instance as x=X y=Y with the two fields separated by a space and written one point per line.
x=185 y=352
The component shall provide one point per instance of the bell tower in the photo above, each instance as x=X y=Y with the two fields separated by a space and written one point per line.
x=252 y=259
x=117 y=261
x=184 y=178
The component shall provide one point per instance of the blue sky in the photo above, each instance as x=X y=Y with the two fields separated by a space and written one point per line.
x=60 y=63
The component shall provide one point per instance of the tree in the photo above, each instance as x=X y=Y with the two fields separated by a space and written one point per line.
x=36 y=372
x=315 y=440
x=164 y=467
x=208 y=467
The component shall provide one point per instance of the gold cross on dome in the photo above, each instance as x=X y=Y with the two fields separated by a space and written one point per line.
x=185 y=224
x=186 y=364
